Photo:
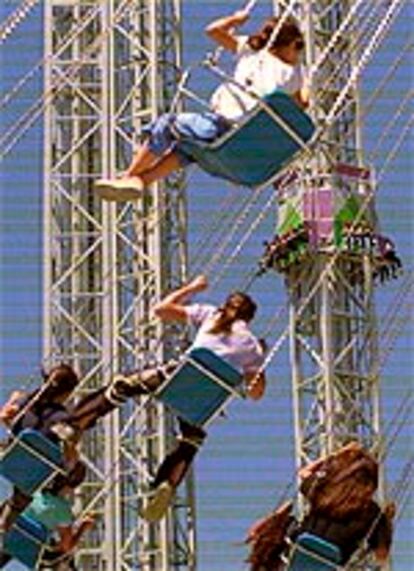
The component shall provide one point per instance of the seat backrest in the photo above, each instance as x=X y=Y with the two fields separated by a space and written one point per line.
x=31 y=461
x=200 y=387
x=258 y=147
x=26 y=541
x=312 y=553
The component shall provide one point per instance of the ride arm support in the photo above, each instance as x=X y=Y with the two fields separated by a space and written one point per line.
x=222 y=30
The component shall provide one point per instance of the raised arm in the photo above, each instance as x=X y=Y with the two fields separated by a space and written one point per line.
x=314 y=466
x=311 y=468
x=172 y=307
x=222 y=30
x=9 y=410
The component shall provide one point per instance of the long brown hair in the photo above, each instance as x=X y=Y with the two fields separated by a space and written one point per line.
x=289 y=32
x=237 y=306
x=268 y=539
x=348 y=485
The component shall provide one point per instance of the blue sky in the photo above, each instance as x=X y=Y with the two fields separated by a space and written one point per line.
x=247 y=462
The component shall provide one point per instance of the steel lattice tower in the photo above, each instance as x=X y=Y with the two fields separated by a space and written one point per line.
x=112 y=65
x=333 y=332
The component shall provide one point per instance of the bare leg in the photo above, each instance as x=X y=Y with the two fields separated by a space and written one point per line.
x=143 y=160
x=166 y=165
x=131 y=186
x=99 y=403
x=175 y=465
x=90 y=409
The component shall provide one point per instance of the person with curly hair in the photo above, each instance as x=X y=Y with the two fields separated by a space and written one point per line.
x=339 y=489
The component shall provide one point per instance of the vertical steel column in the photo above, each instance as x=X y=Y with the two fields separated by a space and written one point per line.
x=333 y=334
x=112 y=67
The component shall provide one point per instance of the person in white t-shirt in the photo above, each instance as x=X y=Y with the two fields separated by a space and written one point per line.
x=260 y=69
x=225 y=331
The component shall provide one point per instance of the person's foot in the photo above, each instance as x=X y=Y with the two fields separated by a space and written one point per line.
x=119 y=189
x=159 y=503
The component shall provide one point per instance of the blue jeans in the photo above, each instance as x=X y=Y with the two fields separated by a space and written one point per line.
x=164 y=133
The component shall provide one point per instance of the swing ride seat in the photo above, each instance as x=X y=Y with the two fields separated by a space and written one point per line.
x=31 y=461
x=200 y=387
x=26 y=541
x=258 y=148
x=313 y=553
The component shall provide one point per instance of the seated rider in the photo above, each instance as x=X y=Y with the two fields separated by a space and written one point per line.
x=42 y=410
x=339 y=490
x=224 y=331
x=52 y=507
x=260 y=69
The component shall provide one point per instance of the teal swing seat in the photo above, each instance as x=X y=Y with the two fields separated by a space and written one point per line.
x=31 y=461
x=26 y=541
x=253 y=152
x=200 y=387
x=312 y=553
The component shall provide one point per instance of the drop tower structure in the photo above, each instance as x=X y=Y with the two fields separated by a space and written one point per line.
x=330 y=253
x=112 y=66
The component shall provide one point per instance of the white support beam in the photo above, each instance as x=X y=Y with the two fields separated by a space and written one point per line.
x=108 y=73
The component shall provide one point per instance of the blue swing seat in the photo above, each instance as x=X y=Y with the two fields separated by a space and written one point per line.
x=258 y=148
x=314 y=554
x=193 y=393
x=31 y=461
x=26 y=541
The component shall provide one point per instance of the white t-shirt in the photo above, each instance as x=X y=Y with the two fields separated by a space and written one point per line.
x=240 y=347
x=258 y=71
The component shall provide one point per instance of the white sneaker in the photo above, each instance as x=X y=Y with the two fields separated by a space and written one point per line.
x=119 y=189
x=159 y=503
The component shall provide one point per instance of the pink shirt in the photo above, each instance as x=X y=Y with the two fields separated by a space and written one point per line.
x=240 y=347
